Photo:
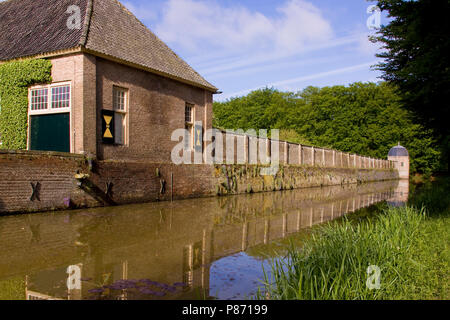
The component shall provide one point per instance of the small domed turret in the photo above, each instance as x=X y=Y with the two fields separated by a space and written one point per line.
x=398 y=151
x=400 y=156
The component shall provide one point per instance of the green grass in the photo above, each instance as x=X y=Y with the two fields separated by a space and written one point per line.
x=409 y=245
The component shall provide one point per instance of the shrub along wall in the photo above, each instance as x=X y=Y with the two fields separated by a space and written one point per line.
x=15 y=78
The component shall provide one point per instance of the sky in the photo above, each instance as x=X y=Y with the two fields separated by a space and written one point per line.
x=244 y=45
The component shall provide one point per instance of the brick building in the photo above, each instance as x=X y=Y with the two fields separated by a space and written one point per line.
x=117 y=92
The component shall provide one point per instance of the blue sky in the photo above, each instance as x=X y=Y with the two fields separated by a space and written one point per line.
x=244 y=45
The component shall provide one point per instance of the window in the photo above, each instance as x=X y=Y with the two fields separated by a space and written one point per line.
x=51 y=98
x=120 y=98
x=39 y=99
x=188 y=113
x=49 y=117
x=60 y=97
x=120 y=101
x=189 y=126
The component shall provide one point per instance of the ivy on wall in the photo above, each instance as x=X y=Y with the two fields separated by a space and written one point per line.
x=15 y=78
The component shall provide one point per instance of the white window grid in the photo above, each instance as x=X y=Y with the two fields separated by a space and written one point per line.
x=120 y=102
x=60 y=97
x=188 y=113
x=40 y=103
x=39 y=99
x=48 y=99
x=120 y=99
x=189 y=126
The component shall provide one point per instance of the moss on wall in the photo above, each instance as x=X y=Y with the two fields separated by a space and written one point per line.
x=236 y=179
x=15 y=78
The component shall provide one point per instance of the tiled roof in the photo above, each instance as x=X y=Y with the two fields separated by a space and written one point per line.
x=31 y=27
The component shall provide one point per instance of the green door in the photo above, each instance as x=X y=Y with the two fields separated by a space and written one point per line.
x=50 y=132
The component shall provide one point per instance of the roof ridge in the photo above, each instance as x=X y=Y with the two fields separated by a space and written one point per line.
x=87 y=22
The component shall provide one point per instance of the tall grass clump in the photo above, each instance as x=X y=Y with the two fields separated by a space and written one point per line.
x=433 y=196
x=333 y=264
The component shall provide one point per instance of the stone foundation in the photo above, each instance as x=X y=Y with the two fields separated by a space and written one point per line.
x=44 y=181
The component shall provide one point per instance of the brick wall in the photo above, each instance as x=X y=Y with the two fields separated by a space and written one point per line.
x=235 y=179
x=80 y=70
x=140 y=181
x=156 y=109
x=53 y=171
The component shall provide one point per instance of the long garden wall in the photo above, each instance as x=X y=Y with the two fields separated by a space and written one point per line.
x=39 y=181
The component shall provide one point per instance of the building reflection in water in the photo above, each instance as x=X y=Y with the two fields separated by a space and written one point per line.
x=164 y=250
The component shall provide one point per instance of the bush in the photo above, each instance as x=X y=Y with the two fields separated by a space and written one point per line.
x=15 y=78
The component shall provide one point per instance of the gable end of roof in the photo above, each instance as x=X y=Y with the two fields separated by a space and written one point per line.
x=33 y=28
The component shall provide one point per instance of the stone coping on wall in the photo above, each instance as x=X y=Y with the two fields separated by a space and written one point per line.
x=74 y=156
x=285 y=146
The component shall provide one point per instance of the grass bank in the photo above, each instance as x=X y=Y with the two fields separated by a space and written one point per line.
x=408 y=246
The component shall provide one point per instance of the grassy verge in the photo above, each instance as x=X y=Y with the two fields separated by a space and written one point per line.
x=409 y=246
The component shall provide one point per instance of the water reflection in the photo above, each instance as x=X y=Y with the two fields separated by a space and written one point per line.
x=191 y=249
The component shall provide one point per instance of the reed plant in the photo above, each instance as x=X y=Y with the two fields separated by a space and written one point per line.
x=333 y=263
x=408 y=245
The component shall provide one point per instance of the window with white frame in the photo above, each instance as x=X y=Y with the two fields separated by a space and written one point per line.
x=39 y=99
x=120 y=102
x=52 y=98
x=189 y=126
x=60 y=97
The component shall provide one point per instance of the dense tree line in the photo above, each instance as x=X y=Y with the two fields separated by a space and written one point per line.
x=363 y=118
x=416 y=51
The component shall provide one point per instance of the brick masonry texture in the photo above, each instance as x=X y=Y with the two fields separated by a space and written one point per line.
x=156 y=107
x=135 y=182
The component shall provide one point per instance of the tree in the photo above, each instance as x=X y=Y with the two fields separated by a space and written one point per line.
x=363 y=118
x=416 y=59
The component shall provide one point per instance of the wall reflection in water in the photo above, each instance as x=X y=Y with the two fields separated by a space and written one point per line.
x=163 y=250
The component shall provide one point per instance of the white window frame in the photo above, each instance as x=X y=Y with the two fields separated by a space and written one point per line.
x=190 y=125
x=50 y=110
x=123 y=112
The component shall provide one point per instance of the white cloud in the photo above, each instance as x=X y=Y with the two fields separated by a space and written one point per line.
x=196 y=24
x=224 y=41
x=265 y=57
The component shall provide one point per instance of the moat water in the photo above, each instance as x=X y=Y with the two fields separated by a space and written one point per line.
x=212 y=248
